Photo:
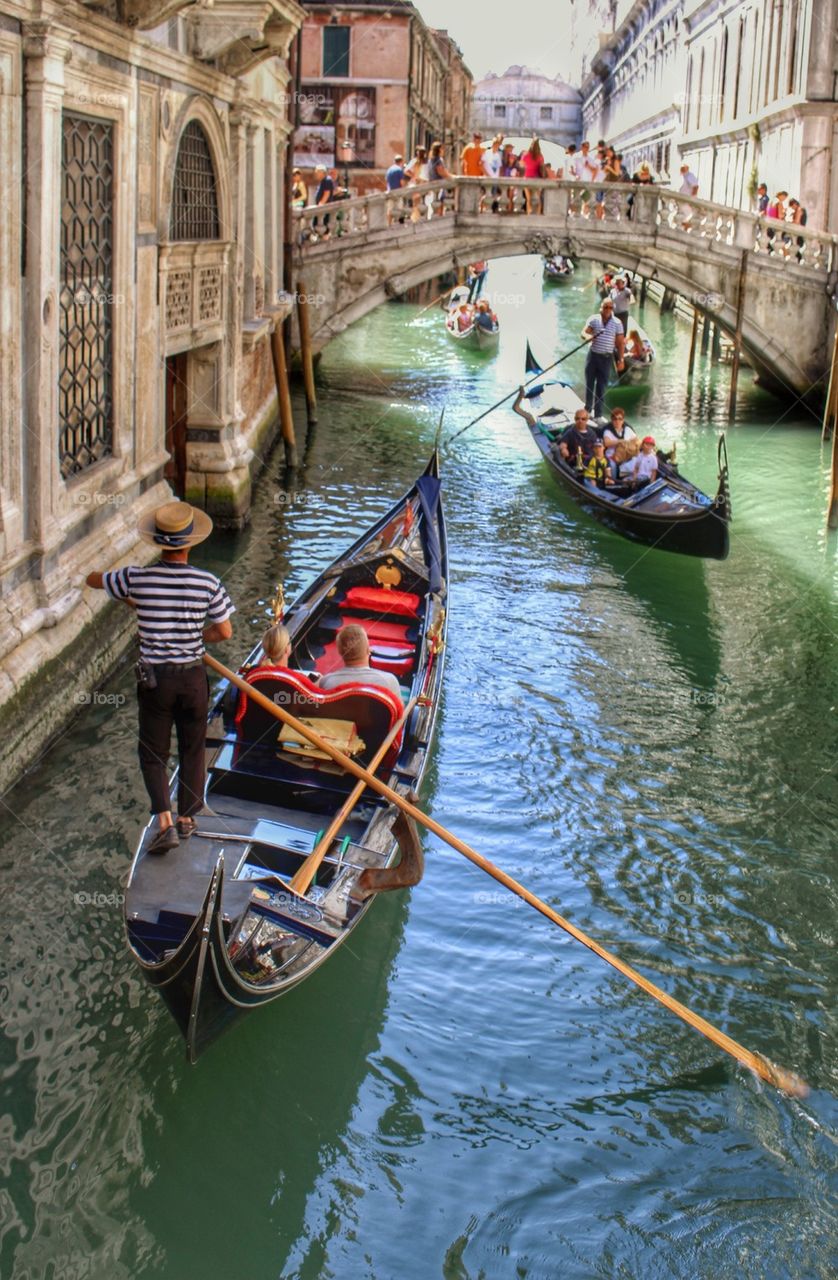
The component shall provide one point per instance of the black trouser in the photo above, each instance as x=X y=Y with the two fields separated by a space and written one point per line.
x=180 y=699
x=598 y=369
x=623 y=317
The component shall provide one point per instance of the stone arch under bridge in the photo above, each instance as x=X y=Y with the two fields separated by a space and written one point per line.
x=789 y=283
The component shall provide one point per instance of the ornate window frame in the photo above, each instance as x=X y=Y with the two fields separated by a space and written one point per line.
x=99 y=92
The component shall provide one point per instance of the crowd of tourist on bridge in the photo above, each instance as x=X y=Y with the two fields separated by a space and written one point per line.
x=589 y=166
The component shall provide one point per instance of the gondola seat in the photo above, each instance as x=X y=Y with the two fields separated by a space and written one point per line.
x=372 y=710
x=383 y=602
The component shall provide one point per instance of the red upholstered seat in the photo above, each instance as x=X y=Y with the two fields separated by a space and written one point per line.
x=403 y=603
x=371 y=709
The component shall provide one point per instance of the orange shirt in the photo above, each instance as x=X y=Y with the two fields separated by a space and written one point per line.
x=472 y=159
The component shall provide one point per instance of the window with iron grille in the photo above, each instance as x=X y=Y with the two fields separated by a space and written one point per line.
x=85 y=384
x=195 y=194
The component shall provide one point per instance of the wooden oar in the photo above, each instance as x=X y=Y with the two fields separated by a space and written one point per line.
x=306 y=873
x=534 y=378
x=769 y=1071
x=434 y=303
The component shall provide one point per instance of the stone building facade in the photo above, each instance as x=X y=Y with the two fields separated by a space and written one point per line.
x=375 y=82
x=524 y=103
x=741 y=90
x=141 y=260
x=459 y=91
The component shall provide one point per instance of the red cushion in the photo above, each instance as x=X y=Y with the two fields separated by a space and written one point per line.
x=371 y=708
x=403 y=603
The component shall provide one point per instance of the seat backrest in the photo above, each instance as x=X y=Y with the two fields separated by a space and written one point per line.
x=372 y=709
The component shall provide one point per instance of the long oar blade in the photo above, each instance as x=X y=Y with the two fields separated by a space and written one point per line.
x=778 y=1076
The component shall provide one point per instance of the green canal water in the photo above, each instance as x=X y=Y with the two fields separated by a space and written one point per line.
x=463 y=1092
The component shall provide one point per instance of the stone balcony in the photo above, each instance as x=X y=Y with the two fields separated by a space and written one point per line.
x=193 y=284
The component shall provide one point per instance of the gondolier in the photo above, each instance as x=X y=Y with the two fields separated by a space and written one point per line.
x=179 y=610
x=607 y=340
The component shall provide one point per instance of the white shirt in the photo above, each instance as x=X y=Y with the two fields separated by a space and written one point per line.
x=642 y=467
x=359 y=675
x=491 y=163
x=579 y=167
x=690 y=182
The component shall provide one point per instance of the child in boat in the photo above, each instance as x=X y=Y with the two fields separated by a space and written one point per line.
x=597 y=471
x=643 y=469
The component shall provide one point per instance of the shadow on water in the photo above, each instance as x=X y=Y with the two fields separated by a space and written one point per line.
x=118 y=1152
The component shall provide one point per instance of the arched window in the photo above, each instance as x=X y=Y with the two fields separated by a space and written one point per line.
x=195 y=192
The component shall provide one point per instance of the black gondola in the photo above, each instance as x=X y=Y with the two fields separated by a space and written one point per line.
x=215 y=927
x=670 y=513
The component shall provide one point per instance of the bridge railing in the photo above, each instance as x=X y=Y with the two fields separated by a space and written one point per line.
x=562 y=206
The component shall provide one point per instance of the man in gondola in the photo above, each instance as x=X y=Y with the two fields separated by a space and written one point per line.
x=578 y=439
x=179 y=610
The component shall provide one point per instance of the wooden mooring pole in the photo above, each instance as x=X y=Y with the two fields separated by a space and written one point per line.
x=283 y=392
x=693 y=342
x=305 y=353
x=830 y=423
x=705 y=335
x=737 y=337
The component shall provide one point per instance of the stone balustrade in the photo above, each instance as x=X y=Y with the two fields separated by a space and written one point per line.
x=564 y=205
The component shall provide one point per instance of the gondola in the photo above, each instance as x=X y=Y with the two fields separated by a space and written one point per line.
x=670 y=513
x=557 y=270
x=215 y=927
x=475 y=337
x=637 y=367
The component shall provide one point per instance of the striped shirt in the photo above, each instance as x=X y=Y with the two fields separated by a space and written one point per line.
x=605 y=335
x=174 y=603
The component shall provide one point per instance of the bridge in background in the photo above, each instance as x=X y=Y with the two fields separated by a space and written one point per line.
x=379 y=246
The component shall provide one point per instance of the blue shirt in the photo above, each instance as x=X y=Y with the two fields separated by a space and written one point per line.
x=605 y=335
x=394 y=177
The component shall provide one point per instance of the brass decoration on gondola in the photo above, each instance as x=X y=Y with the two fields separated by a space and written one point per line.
x=277 y=603
x=388 y=575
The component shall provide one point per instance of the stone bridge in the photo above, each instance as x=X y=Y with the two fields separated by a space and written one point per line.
x=381 y=245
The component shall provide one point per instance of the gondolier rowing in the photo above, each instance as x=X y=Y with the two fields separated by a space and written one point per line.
x=179 y=610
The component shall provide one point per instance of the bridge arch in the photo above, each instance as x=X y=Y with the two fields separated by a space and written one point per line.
x=350 y=275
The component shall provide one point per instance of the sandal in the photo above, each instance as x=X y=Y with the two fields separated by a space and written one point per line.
x=185 y=827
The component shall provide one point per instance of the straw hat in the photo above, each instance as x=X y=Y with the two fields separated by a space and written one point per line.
x=174 y=526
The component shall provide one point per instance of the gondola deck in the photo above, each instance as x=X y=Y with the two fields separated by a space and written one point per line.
x=215 y=926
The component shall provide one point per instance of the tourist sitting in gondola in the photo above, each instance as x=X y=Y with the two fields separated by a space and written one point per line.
x=580 y=438
x=354 y=649
x=638 y=348
x=485 y=316
x=617 y=432
x=276 y=647
x=464 y=317
x=597 y=471
x=642 y=469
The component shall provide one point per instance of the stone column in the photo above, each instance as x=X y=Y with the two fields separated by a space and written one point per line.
x=47 y=48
